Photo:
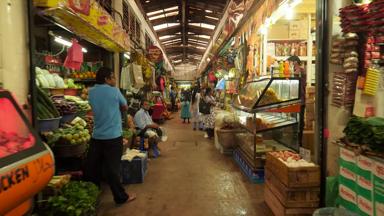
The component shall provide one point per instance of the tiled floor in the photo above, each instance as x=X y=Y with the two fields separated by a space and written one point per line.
x=190 y=178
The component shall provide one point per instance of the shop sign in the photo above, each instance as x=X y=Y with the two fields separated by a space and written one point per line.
x=12 y=178
x=155 y=54
x=87 y=19
x=80 y=6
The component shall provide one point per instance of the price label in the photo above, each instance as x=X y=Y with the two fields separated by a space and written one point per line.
x=305 y=154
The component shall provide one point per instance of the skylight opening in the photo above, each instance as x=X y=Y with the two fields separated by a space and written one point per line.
x=171 y=8
x=166 y=37
x=164 y=25
x=208 y=11
x=154 y=13
x=210 y=17
x=156 y=17
x=204 y=36
x=199 y=47
x=203 y=25
x=208 y=26
x=172 y=14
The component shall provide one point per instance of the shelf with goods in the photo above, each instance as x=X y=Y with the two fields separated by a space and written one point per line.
x=268 y=113
x=24 y=159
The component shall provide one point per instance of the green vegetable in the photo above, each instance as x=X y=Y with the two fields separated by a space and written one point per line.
x=368 y=131
x=43 y=98
x=77 y=198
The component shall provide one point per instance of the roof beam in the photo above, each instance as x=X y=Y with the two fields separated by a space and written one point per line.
x=200 y=30
x=198 y=38
x=184 y=22
x=168 y=31
x=171 y=19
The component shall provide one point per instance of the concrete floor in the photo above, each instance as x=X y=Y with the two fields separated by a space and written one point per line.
x=190 y=177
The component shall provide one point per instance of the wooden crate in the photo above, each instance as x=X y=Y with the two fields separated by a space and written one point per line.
x=293 y=177
x=292 y=197
x=279 y=210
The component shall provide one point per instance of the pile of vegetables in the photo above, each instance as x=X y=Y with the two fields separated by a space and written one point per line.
x=127 y=133
x=45 y=107
x=291 y=159
x=74 y=134
x=11 y=143
x=70 y=83
x=77 y=198
x=82 y=105
x=44 y=79
x=89 y=121
x=366 y=131
x=64 y=106
x=58 y=182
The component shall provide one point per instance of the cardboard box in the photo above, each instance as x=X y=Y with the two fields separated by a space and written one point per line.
x=348 y=198
x=348 y=178
x=365 y=206
x=348 y=159
x=364 y=187
x=309 y=140
x=365 y=167
x=378 y=188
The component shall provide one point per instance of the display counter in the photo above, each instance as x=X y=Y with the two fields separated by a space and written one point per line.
x=26 y=164
x=268 y=109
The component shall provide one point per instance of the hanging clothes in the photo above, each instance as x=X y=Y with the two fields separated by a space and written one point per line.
x=74 y=57
x=125 y=80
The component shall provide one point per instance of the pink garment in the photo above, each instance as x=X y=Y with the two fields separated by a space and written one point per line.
x=74 y=57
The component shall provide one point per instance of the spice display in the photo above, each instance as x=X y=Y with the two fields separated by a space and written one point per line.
x=343 y=91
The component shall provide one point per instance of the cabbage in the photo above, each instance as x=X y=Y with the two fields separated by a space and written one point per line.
x=59 y=82
x=42 y=81
x=51 y=80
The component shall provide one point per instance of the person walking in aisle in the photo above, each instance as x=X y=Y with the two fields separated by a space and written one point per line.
x=196 y=121
x=209 y=119
x=185 y=106
x=106 y=147
x=172 y=95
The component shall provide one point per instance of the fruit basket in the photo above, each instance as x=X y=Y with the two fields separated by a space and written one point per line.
x=69 y=150
x=68 y=118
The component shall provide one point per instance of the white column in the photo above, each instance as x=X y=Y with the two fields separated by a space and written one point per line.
x=309 y=52
x=118 y=6
x=14 y=63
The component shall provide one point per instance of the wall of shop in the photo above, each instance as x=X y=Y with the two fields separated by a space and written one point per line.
x=146 y=28
x=337 y=117
x=14 y=63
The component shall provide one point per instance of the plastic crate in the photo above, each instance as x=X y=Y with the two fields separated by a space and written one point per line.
x=133 y=172
x=256 y=177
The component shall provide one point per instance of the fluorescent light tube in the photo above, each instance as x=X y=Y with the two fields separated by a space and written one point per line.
x=67 y=43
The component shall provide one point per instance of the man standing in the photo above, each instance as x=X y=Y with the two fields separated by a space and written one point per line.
x=106 y=146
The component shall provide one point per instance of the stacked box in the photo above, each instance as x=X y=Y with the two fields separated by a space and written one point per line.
x=378 y=188
x=364 y=188
x=347 y=179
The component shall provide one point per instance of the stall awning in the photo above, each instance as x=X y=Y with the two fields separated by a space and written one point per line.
x=87 y=20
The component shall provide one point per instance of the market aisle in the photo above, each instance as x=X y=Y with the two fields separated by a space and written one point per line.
x=190 y=178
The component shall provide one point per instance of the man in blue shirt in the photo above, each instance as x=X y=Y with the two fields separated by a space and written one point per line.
x=106 y=146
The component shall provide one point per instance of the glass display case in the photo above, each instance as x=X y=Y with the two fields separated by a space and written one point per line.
x=268 y=93
x=26 y=164
x=269 y=111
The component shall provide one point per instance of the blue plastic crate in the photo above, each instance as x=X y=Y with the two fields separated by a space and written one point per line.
x=256 y=177
x=133 y=172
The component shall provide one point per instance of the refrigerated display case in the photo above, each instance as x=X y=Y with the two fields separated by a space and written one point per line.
x=268 y=109
x=26 y=164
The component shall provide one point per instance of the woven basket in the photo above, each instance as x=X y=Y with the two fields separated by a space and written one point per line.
x=227 y=137
x=69 y=150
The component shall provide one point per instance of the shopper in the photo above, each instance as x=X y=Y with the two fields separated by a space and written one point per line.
x=209 y=119
x=185 y=107
x=106 y=146
x=173 y=95
x=300 y=72
x=196 y=120
x=147 y=128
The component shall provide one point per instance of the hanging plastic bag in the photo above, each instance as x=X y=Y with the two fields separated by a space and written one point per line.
x=74 y=57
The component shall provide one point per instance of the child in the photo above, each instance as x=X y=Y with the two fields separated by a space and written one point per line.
x=185 y=110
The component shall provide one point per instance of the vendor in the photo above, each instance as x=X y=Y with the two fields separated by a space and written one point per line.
x=300 y=72
x=146 y=126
